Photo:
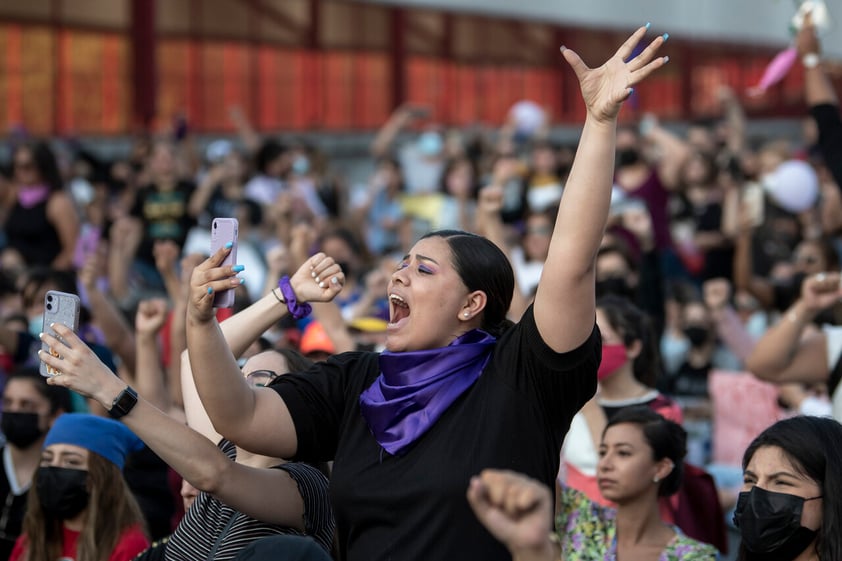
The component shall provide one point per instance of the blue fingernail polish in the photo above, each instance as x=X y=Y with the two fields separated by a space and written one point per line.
x=666 y=59
x=242 y=281
x=648 y=24
x=666 y=36
x=210 y=290
x=238 y=268
x=229 y=245
x=631 y=91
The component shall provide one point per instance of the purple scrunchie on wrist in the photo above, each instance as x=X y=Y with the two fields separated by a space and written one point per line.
x=297 y=310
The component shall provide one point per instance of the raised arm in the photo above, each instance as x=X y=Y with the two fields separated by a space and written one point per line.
x=268 y=495
x=239 y=412
x=673 y=150
x=150 y=379
x=821 y=99
x=784 y=353
x=564 y=303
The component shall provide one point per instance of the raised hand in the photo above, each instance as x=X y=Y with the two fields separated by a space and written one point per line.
x=516 y=510
x=821 y=291
x=166 y=254
x=717 y=293
x=319 y=279
x=209 y=277
x=605 y=88
x=151 y=316
x=81 y=370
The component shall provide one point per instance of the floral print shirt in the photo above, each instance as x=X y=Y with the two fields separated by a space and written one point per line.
x=588 y=532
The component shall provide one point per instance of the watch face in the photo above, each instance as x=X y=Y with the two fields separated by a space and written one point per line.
x=124 y=403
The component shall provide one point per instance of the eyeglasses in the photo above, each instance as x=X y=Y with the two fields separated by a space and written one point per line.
x=261 y=378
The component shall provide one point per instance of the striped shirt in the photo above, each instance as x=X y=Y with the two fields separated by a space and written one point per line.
x=209 y=519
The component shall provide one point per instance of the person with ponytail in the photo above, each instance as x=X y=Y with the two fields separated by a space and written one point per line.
x=458 y=388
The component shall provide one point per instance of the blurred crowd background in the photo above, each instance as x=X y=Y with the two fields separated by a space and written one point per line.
x=354 y=127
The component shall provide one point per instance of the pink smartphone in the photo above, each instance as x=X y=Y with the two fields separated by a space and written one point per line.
x=223 y=231
x=63 y=308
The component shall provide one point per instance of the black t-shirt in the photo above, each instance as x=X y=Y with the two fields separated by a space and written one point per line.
x=413 y=506
x=164 y=214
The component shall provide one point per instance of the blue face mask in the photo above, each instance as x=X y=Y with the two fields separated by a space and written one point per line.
x=36 y=325
x=301 y=165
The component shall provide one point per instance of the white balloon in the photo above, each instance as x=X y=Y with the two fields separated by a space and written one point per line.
x=793 y=186
x=528 y=116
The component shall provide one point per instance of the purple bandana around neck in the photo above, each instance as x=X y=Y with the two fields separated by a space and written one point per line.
x=415 y=388
x=31 y=195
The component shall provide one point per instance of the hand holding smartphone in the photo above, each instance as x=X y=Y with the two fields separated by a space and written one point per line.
x=224 y=231
x=63 y=308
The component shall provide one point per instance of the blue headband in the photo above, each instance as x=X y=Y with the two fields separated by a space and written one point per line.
x=108 y=438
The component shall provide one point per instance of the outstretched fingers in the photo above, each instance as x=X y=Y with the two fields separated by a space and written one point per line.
x=647 y=56
x=627 y=48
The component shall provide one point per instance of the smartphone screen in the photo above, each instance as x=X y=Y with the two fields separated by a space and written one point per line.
x=63 y=308
x=223 y=231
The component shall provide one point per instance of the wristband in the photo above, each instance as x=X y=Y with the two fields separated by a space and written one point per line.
x=811 y=60
x=297 y=310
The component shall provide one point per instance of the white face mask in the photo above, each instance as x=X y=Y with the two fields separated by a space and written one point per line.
x=543 y=197
x=673 y=352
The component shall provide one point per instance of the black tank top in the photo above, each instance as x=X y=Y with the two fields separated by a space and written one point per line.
x=30 y=232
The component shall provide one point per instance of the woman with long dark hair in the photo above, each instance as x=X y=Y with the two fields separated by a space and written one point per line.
x=790 y=507
x=80 y=507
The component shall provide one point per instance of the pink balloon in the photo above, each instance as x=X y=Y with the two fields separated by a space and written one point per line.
x=776 y=70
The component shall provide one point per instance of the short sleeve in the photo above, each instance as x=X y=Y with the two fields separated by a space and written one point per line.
x=560 y=383
x=833 y=334
x=316 y=401
x=313 y=487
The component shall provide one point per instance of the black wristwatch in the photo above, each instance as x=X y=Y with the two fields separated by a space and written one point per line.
x=123 y=403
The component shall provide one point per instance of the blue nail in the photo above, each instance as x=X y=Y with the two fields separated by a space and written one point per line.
x=242 y=281
x=229 y=245
x=210 y=290
x=648 y=24
x=666 y=59
x=238 y=268
x=666 y=36
x=631 y=91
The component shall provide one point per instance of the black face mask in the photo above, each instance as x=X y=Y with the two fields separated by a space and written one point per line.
x=627 y=157
x=63 y=492
x=21 y=429
x=697 y=335
x=770 y=524
x=614 y=285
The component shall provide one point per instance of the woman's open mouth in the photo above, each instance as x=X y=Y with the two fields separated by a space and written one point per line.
x=399 y=310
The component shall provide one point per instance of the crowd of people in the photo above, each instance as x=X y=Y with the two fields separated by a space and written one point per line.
x=499 y=347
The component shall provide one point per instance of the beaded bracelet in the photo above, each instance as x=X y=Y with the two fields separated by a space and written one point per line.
x=297 y=310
